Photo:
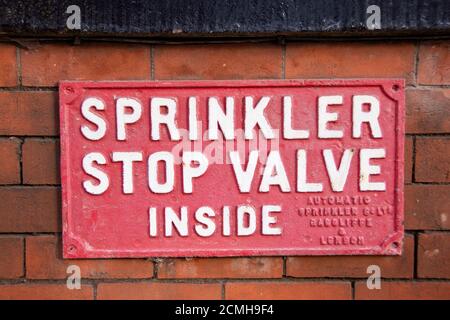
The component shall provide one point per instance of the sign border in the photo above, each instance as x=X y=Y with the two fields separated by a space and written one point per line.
x=78 y=248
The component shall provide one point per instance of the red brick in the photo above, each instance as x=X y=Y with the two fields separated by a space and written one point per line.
x=44 y=261
x=350 y=60
x=40 y=161
x=354 y=266
x=427 y=207
x=434 y=63
x=326 y=290
x=434 y=255
x=427 y=111
x=217 y=61
x=409 y=154
x=26 y=209
x=45 y=65
x=8 y=65
x=402 y=290
x=221 y=268
x=29 y=113
x=432 y=159
x=31 y=291
x=11 y=257
x=9 y=161
x=161 y=291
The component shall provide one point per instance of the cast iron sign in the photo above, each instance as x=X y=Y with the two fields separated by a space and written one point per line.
x=225 y=168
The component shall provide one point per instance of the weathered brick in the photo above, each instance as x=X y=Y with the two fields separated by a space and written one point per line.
x=217 y=61
x=163 y=291
x=44 y=261
x=354 y=266
x=11 y=257
x=409 y=155
x=8 y=65
x=427 y=111
x=221 y=268
x=350 y=60
x=326 y=290
x=32 y=291
x=427 y=207
x=40 y=161
x=45 y=65
x=432 y=159
x=434 y=255
x=29 y=209
x=29 y=113
x=9 y=161
x=434 y=63
x=402 y=290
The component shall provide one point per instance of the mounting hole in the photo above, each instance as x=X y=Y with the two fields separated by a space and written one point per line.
x=69 y=90
x=395 y=245
x=395 y=87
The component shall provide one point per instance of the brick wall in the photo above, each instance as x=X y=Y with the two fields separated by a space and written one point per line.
x=30 y=219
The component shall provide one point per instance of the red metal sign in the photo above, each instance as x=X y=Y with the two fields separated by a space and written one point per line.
x=225 y=168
